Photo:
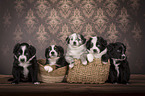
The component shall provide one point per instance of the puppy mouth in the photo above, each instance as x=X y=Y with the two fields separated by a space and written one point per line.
x=95 y=51
x=22 y=60
x=53 y=55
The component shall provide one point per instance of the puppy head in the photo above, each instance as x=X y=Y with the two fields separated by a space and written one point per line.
x=96 y=45
x=117 y=51
x=24 y=52
x=75 y=40
x=54 y=51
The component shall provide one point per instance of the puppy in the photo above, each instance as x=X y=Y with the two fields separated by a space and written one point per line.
x=119 y=69
x=76 y=49
x=97 y=48
x=25 y=65
x=54 y=56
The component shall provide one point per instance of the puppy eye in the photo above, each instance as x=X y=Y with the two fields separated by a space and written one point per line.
x=98 y=45
x=118 y=50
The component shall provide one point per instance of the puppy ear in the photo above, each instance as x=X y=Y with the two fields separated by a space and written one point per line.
x=104 y=42
x=68 y=39
x=46 y=53
x=32 y=50
x=110 y=48
x=88 y=44
x=124 y=47
x=17 y=46
x=119 y=43
x=61 y=50
x=83 y=39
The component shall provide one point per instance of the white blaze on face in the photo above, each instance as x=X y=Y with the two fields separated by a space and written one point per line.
x=53 y=52
x=94 y=41
x=24 y=64
x=22 y=56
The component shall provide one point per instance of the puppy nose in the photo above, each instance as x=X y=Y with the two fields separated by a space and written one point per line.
x=52 y=53
x=74 y=43
x=123 y=56
x=95 y=50
x=22 y=60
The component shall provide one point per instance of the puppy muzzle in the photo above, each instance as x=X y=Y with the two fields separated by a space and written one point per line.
x=123 y=56
x=19 y=59
x=22 y=58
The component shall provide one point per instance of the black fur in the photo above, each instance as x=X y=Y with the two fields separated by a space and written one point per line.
x=88 y=44
x=124 y=70
x=17 y=70
x=68 y=39
x=83 y=39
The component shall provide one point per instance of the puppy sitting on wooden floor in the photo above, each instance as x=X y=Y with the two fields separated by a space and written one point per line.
x=25 y=65
x=119 y=69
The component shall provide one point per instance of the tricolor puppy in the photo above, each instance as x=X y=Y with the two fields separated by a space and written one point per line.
x=97 y=48
x=25 y=65
x=76 y=49
x=119 y=69
x=54 y=56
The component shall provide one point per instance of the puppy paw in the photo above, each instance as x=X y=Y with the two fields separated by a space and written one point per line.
x=48 y=68
x=104 y=62
x=115 y=83
x=36 y=83
x=71 y=65
x=84 y=62
x=90 y=57
x=15 y=82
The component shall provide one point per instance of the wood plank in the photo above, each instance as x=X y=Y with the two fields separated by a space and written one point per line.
x=137 y=85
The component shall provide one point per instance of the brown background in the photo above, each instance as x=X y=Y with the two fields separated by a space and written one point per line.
x=45 y=22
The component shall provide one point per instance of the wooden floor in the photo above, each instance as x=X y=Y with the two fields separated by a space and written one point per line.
x=136 y=87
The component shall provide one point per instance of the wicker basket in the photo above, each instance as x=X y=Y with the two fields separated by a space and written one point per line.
x=94 y=72
x=57 y=75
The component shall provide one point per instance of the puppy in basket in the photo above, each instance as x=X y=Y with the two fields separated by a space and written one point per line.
x=119 y=69
x=97 y=48
x=54 y=58
x=76 y=49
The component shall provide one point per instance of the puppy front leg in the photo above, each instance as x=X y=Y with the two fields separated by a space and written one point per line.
x=70 y=60
x=48 y=68
x=16 y=75
x=36 y=72
x=33 y=73
x=90 y=57
x=104 y=59
x=83 y=59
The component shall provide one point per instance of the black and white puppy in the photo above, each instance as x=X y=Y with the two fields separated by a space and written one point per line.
x=25 y=65
x=54 y=56
x=97 y=48
x=119 y=69
x=76 y=49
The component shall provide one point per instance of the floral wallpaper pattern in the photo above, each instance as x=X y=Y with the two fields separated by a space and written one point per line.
x=45 y=22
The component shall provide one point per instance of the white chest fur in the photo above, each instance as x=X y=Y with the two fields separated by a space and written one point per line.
x=116 y=67
x=25 y=69
x=76 y=52
x=52 y=61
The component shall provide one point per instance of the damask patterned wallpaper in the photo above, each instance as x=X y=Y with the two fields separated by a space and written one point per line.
x=45 y=22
